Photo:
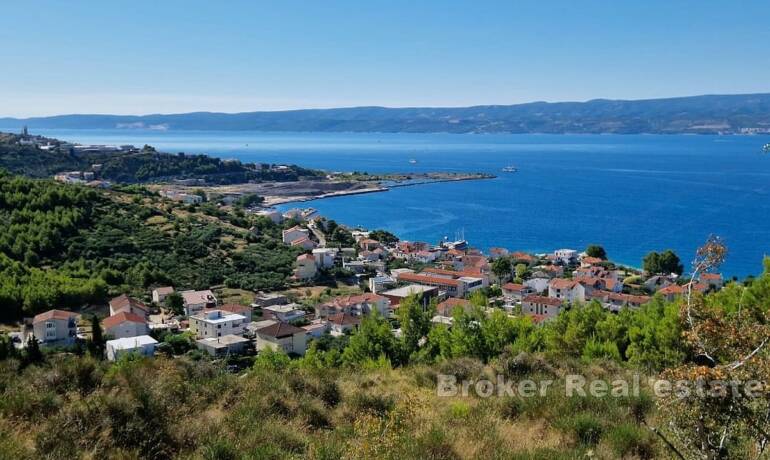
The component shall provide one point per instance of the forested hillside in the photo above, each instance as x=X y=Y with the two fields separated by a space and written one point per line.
x=142 y=165
x=63 y=245
x=694 y=114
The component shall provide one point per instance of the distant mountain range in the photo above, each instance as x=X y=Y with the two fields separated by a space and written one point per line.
x=730 y=114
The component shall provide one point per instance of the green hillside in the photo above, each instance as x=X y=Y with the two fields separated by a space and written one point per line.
x=64 y=245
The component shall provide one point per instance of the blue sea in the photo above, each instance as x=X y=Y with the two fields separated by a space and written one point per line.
x=630 y=193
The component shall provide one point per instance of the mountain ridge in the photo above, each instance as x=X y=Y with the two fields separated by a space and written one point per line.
x=704 y=114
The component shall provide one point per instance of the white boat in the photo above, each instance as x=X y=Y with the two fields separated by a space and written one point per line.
x=413 y=161
x=766 y=148
x=510 y=169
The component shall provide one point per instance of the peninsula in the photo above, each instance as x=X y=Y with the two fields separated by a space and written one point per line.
x=183 y=175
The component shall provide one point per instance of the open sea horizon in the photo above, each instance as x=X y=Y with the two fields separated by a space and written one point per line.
x=630 y=193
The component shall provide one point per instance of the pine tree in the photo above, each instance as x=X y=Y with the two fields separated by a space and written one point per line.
x=33 y=354
x=97 y=338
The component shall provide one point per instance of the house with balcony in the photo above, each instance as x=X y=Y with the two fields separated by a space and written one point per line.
x=217 y=323
x=55 y=328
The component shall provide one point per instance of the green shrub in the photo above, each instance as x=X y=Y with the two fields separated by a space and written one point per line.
x=630 y=440
x=586 y=429
x=375 y=404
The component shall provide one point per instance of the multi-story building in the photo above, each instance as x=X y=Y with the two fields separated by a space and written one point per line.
x=217 y=323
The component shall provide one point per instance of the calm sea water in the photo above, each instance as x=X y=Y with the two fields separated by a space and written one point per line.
x=631 y=194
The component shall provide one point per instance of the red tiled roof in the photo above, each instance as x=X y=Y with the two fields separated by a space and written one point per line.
x=562 y=283
x=472 y=272
x=673 y=289
x=513 y=287
x=537 y=319
x=299 y=241
x=123 y=301
x=350 y=300
x=235 y=308
x=711 y=276
x=446 y=307
x=591 y=260
x=418 y=278
x=542 y=300
x=53 y=314
x=280 y=330
x=344 y=319
x=475 y=261
x=627 y=298
x=122 y=317
x=522 y=256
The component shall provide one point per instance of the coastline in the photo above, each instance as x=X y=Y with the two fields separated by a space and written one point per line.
x=271 y=201
x=279 y=200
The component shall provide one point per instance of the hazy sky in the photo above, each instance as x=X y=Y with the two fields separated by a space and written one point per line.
x=177 y=56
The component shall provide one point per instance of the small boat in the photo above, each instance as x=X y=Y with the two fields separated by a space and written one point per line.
x=510 y=169
x=413 y=161
x=766 y=148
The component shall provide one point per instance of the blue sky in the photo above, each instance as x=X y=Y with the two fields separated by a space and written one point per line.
x=177 y=56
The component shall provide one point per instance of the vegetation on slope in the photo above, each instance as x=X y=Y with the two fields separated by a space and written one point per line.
x=62 y=246
x=144 y=165
x=696 y=114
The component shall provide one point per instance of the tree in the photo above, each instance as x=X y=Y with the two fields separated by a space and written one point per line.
x=502 y=268
x=597 y=251
x=415 y=323
x=175 y=303
x=341 y=237
x=723 y=415
x=521 y=271
x=250 y=199
x=372 y=341
x=96 y=346
x=32 y=354
x=7 y=349
x=383 y=236
x=665 y=262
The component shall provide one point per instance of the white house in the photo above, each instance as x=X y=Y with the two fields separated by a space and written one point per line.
x=272 y=214
x=537 y=284
x=317 y=328
x=282 y=337
x=159 y=294
x=516 y=292
x=285 y=313
x=306 y=267
x=223 y=346
x=380 y=283
x=124 y=303
x=304 y=242
x=217 y=323
x=356 y=305
x=541 y=306
x=294 y=233
x=125 y=325
x=325 y=257
x=341 y=323
x=143 y=345
x=196 y=301
x=566 y=290
x=55 y=328
x=566 y=256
